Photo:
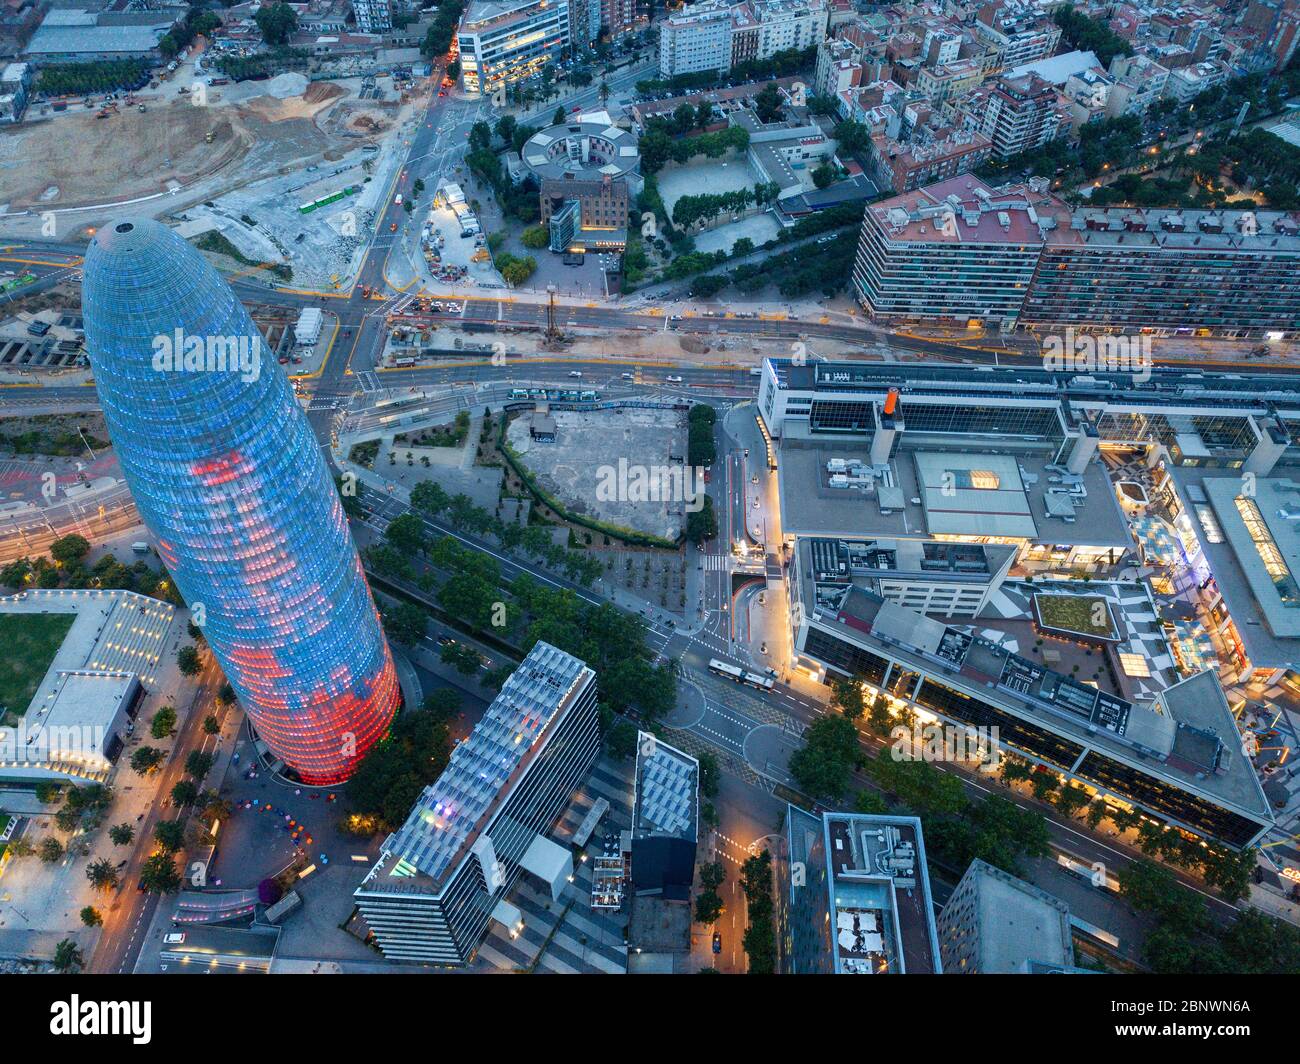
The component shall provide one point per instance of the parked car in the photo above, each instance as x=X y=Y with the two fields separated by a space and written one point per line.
x=717 y=941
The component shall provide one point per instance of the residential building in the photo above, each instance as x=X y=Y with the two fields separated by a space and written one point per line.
x=502 y=41
x=1016 y=113
x=1138 y=83
x=243 y=510
x=853 y=896
x=718 y=34
x=373 y=16
x=15 y=85
x=1234 y=273
x=1187 y=82
x=904 y=166
x=996 y=924
x=957 y=250
x=1020 y=33
x=962 y=251
x=447 y=872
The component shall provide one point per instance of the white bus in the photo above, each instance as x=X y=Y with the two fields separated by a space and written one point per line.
x=731 y=672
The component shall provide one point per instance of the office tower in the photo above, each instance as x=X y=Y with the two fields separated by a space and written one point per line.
x=227 y=475
x=447 y=871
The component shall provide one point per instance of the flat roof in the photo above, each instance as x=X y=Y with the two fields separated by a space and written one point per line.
x=1017 y=508
x=667 y=790
x=881 y=913
x=85 y=39
x=1262 y=531
x=454 y=810
x=1211 y=763
x=1017 y=921
x=115 y=632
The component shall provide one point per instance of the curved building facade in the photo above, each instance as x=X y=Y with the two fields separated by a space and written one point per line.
x=228 y=476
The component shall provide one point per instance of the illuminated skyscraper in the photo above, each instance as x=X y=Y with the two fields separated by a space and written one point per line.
x=226 y=473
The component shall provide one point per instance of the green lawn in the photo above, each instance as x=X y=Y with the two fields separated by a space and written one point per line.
x=1075 y=613
x=28 y=643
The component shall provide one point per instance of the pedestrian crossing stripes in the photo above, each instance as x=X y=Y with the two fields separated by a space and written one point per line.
x=716 y=563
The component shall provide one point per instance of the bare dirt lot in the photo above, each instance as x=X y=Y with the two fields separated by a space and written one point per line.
x=86 y=160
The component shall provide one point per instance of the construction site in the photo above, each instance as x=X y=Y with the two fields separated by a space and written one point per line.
x=211 y=158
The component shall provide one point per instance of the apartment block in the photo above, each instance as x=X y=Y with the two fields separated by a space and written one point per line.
x=718 y=34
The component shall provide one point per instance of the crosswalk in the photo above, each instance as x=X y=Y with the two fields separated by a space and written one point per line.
x=716 y=563
x=369 y=381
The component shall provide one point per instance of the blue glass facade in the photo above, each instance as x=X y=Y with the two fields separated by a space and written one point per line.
x=226 y=473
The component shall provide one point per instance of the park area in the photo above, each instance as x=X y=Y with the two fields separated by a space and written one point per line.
x=1085 y=615
x=30 y=641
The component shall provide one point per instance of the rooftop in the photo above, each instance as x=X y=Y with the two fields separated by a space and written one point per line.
x=881 y=913
x=1187 y=733
x=927 y=493
x=1018 y=923
x=1264 y=538
x=452 y=812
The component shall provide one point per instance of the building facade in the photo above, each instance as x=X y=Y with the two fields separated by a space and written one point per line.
x=228 y=476
x=503 y=41
x=718 y=34
x=963 y=251
x=996 y=924
x=373 y=16
x=444 y=875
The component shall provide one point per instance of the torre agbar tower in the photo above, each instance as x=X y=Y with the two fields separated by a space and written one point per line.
x=226 y=473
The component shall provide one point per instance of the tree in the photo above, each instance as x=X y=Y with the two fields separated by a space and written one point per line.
x=102 y=874
x=91 y=917
x=406 y=533
x=69 y=549
x=823 y=175
x=620 y=740
x=277 y=23
x=146 y=760
x=848 y=696
x=198 y=764
x=226 y=694
x=121 y=834
x=559 y=118
x=49 y=849
x=535 y=237
x=170 y=834
x=405 y=622
x=413 y=755
x=823 y=768
x=158 y=875
x=184 y=793
x=67 y=957
x=702 y=524
x=163 y=723
x=852 y=136
x=708 y=907
x=211 y=726
x=187 y=660
x=453 y=70
x=464 y=659
x=768 y=103
x=505 y=128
